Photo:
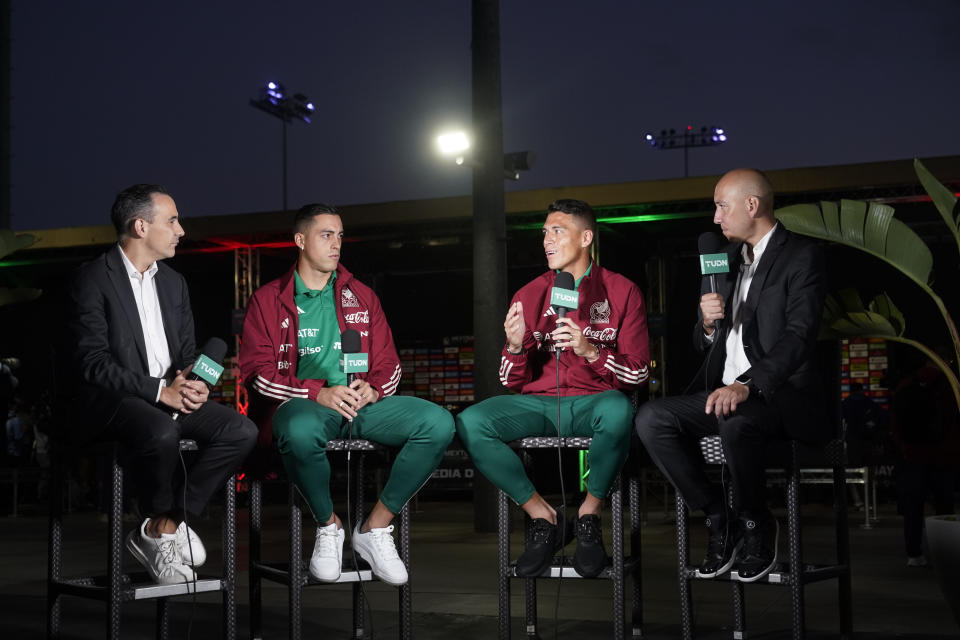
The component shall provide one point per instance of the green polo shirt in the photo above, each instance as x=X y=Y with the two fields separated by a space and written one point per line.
x=318 y=338
x=576 y=285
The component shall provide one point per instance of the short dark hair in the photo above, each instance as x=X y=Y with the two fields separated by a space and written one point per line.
x=578 y=209
x=308 y=212
x=132 y=203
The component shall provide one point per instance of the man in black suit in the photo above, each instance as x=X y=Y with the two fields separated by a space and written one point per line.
x=758 y=381
x=133 y=341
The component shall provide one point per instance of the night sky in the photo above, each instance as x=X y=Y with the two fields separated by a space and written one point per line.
x=109 y=94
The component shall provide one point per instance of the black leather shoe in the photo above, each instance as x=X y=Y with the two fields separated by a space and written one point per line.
x=543 y=540
x=725 y=540
x=590 y=557
x=758 y=556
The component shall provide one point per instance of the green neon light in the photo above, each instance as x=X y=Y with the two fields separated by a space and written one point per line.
x=643 y=217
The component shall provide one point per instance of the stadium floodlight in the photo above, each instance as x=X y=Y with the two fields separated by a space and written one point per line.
x=274 y=99
x=686 y=139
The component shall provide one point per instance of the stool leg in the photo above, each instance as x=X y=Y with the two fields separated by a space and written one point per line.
x=256 y=595
x=794 y=546
x=503 y=566
x=616 y=508
x=843 y=552
x=115 y=547
x=296 y=567
x=636 y=559
x=683 y=553
x=163 y=619
x=229 y=579
x=55 y=548
x=739 y=610
x=406 y=591
x=356 y=491
x=530 y=593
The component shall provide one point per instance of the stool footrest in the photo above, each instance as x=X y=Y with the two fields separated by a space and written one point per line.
x=553 y=571
x=135 y=587
x=280 y=572
x=781 y=574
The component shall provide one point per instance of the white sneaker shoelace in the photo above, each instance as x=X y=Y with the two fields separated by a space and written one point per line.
x=383 y=541
x=328 y=542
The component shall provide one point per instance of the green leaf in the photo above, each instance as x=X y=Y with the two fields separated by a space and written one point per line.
x=942 y=197
x=883 y=305
x=13 y=296
x=10 y=241
x=872 y=229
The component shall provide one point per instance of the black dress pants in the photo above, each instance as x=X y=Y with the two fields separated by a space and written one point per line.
x=152 y=438
x=671 y=429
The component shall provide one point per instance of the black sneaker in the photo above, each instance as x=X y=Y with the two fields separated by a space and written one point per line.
x=543 y=540
x=722 y=545
x=758 y=556
x=590 y=557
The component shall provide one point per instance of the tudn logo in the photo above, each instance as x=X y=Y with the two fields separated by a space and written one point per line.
x=285 y=324
x=600 y=312
x=347 y=299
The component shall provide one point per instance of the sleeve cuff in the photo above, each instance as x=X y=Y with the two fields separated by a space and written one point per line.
x=160 y=387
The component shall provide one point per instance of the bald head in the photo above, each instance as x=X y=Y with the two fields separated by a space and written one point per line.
x=746 y=183
x=744 y=205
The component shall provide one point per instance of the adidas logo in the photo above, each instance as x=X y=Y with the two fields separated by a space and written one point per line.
x=285 y=324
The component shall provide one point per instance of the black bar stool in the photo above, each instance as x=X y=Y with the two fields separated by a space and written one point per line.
x=795 y=573
x=116 y=587
x=294 y=574
x=619 y=567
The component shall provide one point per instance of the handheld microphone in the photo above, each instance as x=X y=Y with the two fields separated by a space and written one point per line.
x=352 y=361
x=713 y=259
x=207 y=366
x=563 y=297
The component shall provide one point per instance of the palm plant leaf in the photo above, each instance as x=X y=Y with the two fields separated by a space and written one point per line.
x=942 y=197
x=844 y=316
x=873 y=229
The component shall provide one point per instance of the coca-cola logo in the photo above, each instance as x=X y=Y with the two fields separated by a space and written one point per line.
x=605 y=335
x=360 y=317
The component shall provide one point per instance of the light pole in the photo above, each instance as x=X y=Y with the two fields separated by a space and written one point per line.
x=275 y=100
x=456 y=144
x=686 y=139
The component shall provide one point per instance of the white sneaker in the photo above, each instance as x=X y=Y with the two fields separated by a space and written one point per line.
x=327 y=555
x=187 y=541
x=160 y=556
x=377 y=548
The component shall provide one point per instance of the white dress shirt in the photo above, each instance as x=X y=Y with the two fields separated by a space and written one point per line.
x=737 y=362
x=148 y=308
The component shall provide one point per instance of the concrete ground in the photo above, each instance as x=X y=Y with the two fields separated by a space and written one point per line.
x=454 y=581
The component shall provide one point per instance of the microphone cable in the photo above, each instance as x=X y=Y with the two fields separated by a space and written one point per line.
x=563 y=506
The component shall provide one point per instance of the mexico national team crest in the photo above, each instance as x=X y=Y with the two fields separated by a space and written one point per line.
x=347 y=299
x=600 y=312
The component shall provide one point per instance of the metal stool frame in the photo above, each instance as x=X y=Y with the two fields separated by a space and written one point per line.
x=794 y=574
x=620 y=567
x=116 y=587
x=293 y=573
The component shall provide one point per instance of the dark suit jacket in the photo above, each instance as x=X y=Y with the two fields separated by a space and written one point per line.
x=781 y=321
x=109 y=352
